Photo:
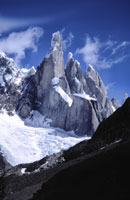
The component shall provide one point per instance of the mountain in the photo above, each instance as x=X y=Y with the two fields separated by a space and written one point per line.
x=53 y=95
x=94 y=169
x=44 y=112
x=12 y=83
x=70 y=99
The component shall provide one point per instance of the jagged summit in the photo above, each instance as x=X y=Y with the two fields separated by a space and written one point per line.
x=74 y=74
x=10 y=84
x=90 y=66
x=2 y=54
x=92 y=73
x=52 y=65
x=70 y=55
x=71 y=99
x=94 y=85
x=5 y=61
x=56 y=41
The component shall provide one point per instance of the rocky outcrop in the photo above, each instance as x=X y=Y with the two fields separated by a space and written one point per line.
x=115 y=103
x=71 y=99
x=52 y=66
x=74 y=75
x=10 y=84
x=57 y=101
x=27 y=101
x=4 y=165
x=81 y=117
x=94 y=86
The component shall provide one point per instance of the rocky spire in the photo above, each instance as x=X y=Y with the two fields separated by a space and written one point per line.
x=92 y=74
x=56 y=40
x=74 y=74
x=52 y=93
x=94 y=85
x=57 y=54
x=52 y=66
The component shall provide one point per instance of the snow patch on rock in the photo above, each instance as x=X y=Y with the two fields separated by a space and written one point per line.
x=64 y=95
x=55 y=81
x=84 y=96
x=113 y=108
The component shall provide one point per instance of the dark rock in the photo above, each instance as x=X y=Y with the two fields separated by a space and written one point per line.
x=99 y=168
x=28 y=99
x=4 y=165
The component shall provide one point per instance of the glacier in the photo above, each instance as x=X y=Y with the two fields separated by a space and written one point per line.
x=20 y=143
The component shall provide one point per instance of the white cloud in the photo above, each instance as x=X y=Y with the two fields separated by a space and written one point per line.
x=17 y=42
x=90 y=51
x=66 y=43
x=120 y=46
x=110 y=85
x=103 y=55
x=8 y=24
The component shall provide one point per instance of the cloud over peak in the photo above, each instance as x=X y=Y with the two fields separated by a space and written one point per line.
x=17 y=42
x=66 y=41
x=103 y=55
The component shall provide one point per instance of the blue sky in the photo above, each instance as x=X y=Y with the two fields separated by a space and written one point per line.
x=96 y=31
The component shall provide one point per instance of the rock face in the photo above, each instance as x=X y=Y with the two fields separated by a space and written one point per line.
x=57 y=93
x=27 y=100
x=71 y=99
x=10 y=84
x=74 y=75
x=115 y=103
x=94 y=85
x=4 y=165
x=82 y=116
x=52 y=66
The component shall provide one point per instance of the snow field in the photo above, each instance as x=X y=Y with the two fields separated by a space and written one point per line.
x=24 y=144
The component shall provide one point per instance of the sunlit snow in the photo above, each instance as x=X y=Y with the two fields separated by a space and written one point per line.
x=64 y=95
x=113 y=108
x=55 y=81
x=23 y=144
x=84 y=96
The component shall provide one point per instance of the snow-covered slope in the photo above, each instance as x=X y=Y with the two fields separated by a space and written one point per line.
x=24 y=144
